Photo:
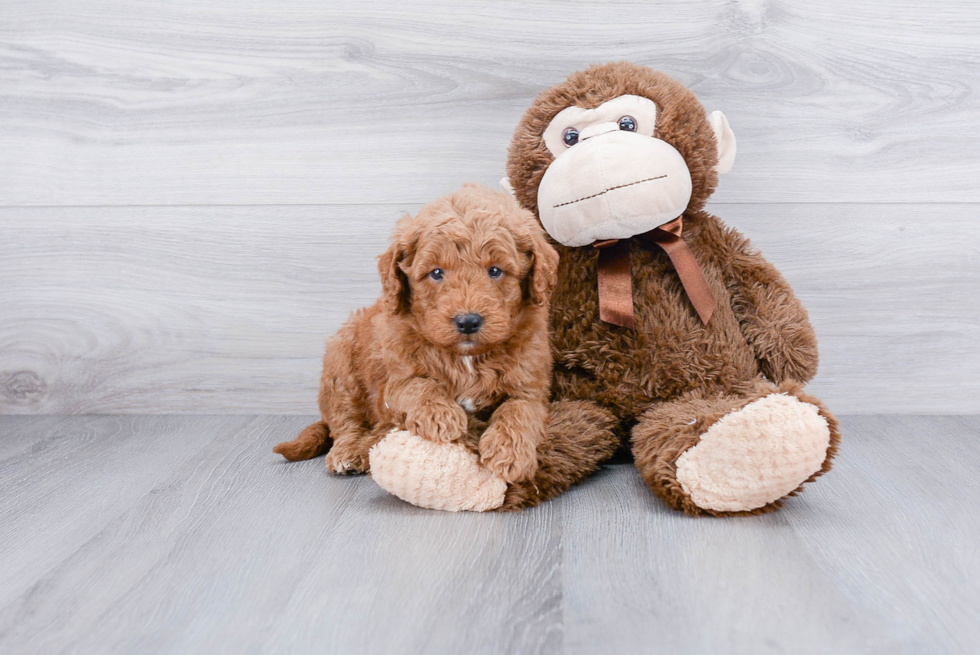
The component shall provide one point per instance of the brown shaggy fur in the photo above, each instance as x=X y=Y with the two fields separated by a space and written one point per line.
x=671 y=368
x=402 y=362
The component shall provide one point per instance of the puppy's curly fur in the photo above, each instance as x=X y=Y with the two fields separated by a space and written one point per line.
x=404 y=363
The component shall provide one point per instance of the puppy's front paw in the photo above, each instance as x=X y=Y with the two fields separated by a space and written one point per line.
x=347 y=460
x=438 y=421
x=509 y=453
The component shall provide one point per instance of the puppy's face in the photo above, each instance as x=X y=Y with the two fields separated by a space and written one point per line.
x=467 y=268
x=465 y=284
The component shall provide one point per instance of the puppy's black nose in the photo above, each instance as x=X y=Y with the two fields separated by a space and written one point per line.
x=468 y=323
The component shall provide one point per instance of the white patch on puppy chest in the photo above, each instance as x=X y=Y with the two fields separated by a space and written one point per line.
x=467 y=404
x=468 y=360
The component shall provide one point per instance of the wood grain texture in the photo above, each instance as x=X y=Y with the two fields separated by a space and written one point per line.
x=186 y=534
x=190 y=535
x=113 y=102
x=226 y=309
x=837 y=571
x=80 y=476
x=191 y=196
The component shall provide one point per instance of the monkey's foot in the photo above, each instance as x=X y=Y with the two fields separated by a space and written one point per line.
x=445 y=476
x=755 y=455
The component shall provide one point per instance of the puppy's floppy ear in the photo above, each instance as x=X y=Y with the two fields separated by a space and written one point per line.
x=395 y=290
x=544 y=266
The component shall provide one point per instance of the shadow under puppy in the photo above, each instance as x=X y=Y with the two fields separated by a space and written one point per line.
x=456 y=346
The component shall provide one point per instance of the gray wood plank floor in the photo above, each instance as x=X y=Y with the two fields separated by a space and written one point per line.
x=187 y=535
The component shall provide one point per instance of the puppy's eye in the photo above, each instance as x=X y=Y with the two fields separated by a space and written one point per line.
x=495 y=273
x=570 y=136
x=437 y=274
x=627 y=123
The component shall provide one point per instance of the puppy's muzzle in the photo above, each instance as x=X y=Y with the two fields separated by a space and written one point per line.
x=468 y=323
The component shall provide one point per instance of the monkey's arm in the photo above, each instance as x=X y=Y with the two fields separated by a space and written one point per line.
x=772 y=319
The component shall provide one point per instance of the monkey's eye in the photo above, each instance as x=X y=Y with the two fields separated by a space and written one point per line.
x=495 y=273
x=437 y=274
x=570 y=136
x=627 y=123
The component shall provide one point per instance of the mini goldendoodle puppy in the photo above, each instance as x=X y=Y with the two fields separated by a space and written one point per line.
x=457 y=343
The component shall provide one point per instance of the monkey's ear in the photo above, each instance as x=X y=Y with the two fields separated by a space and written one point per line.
x=544 y=268
x=507 y=187
x=395 y=292
x=726 y=141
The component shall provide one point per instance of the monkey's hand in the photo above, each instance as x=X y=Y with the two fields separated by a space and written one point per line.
x=771 y=317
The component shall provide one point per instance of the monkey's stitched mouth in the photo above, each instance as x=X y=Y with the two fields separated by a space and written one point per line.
x=612 y=188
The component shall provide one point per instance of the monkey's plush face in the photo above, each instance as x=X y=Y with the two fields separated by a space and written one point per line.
x=611 y=178
x=615 y=151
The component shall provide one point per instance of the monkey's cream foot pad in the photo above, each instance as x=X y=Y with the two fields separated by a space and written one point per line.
x=435 y=476
x=755 y=455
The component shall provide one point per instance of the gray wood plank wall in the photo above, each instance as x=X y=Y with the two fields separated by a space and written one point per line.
x=192 y=194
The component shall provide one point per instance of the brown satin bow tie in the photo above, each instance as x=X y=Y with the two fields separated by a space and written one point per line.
x=616 y=281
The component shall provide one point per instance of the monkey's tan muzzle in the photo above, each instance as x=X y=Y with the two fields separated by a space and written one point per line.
x=612 y=185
